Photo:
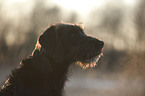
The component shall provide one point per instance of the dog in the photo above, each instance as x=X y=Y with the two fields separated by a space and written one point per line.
x=45 y=72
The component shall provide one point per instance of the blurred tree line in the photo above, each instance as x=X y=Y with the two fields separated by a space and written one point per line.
x=122 y=29
x=122 y=32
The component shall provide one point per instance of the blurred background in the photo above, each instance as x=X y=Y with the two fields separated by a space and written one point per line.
x=119 y=23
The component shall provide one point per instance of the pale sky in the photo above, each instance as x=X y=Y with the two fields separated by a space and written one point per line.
x=12 y=7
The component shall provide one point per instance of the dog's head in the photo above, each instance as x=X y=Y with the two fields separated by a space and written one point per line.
x=69 y=43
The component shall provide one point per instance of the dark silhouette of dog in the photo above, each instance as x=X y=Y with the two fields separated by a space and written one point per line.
x=44 y=73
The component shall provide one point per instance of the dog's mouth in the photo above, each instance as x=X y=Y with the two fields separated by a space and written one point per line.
x=91 y=61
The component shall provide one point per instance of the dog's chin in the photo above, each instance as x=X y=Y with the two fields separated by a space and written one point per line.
x=91 y=61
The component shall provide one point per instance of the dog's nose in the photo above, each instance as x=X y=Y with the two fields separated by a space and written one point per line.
x=101 y=43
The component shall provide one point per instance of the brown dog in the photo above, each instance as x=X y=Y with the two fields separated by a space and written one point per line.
x=45 y=72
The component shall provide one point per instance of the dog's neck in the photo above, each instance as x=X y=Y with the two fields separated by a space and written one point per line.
x=42 y=52
x=46 y=75
x=56 y=67
x=37 y=76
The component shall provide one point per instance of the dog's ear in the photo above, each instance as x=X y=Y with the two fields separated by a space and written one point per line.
x=80 y=25
x=49 y=40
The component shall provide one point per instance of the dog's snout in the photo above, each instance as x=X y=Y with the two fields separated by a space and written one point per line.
x=101 y=43
x=97 y=43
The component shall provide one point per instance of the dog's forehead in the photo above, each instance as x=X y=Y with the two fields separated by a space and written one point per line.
x=64 y=26
x=68 y=27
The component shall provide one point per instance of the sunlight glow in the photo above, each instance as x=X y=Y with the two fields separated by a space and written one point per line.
x=14 y=1
x=130 y=2
x=80 y=6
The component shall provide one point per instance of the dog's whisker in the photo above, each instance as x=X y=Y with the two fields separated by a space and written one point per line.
x=89 y=62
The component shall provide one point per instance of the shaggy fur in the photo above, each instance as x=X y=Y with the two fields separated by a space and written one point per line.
x=45 y=72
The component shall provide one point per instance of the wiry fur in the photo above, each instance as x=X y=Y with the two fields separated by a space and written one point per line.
x=45 y=72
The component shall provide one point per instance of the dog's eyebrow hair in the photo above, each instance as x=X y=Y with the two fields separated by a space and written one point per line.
x=78 y=27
